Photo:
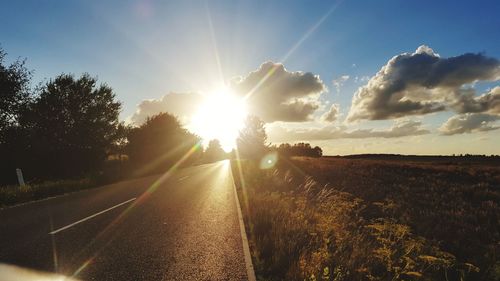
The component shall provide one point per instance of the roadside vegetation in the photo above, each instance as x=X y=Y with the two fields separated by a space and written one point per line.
x=368 y=217
x=11 y=195
x=65 y=135
x=359 y=219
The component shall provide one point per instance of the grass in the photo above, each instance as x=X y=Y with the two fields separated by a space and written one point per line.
x=11 y=195
x=358 y=219
x=113 y=170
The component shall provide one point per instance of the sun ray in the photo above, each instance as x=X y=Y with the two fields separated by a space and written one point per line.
x=146 y=49
x=264 y=79
x=214 y=44
x=302 y=39
x=140 y=200
x=151 y=166
x=310 y=31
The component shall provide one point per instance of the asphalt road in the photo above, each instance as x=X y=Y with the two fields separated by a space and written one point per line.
x=183 y=226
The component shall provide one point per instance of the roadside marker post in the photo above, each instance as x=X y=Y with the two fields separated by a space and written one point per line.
x=20 y=178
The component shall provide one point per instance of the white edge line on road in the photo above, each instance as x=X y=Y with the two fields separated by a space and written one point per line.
x=244 y=238
x=91 y=189
x=91 y=216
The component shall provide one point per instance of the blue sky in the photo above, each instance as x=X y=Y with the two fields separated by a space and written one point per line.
x=146 y=49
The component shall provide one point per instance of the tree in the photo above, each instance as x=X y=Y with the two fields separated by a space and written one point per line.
x=15 y=93
x=15 y=96
x=214 y=151
x=72 y=125
x=317 y=152
x=160 y=143
x=299 y=149
x=252 y=139
x=119 y=145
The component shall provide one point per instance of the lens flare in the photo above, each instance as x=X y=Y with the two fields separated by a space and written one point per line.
x=269 y=160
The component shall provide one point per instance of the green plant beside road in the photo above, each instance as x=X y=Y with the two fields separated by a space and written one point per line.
x=10 y=195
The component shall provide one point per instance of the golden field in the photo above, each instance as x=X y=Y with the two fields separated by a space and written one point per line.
x=373 y=218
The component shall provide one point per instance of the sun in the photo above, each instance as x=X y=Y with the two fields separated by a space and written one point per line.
x=220 y=116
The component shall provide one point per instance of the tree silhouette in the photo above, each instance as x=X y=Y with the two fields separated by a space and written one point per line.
x=214 y=151
x=161 y=142
x=318 y=152
x=252 y=139
x=299 y=149
x=15 y=93
x=119 y=145
x=72 y=125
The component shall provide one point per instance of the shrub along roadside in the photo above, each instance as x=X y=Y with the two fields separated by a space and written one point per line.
x=11 y=195
x=112 y=171
x=302 y=230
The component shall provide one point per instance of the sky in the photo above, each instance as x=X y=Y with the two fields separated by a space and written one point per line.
x=409 y=77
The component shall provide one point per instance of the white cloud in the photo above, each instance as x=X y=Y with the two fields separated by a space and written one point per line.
x=469 y=123
x=401 y=128
x=419 y=83
x=464 y=101
x=183 y=105
x=332 y=114
x=339 y=82
x=276 y=94
x=361 y=79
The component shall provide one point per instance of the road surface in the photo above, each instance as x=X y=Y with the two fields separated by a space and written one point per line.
x=183 y=226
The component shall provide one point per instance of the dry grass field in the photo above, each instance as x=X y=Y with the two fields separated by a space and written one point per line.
x=378 y=218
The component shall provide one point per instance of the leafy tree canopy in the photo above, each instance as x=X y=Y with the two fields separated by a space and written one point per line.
x=299 y=149
x=161 y=142
x=14 y=92
x=214 y=151
x=252 y=139
x=72 y=124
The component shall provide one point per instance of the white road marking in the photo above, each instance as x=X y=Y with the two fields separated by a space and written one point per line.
x=244 y=238
x=89 y=217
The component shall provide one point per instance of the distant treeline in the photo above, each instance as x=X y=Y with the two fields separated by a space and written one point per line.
x=370 y=155
x=458 y=158
x=252 y=143
x=69 y=128
x=299 y=149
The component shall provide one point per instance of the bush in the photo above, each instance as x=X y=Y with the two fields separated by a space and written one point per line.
x=10 y=195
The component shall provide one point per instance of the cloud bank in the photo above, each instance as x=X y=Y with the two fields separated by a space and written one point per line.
x=332 y=114
x=465 y=101
x=469 y=123
x=422 y=82
x=401 y=128
x=276 y=94
x=409 y=84
x=273 y=94
x=183 y=105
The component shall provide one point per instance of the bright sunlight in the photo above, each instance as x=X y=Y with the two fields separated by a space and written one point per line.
x=221 y=117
